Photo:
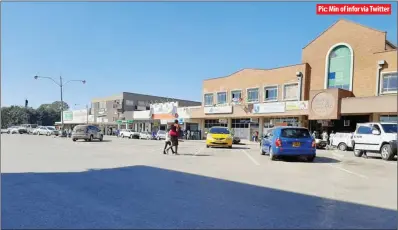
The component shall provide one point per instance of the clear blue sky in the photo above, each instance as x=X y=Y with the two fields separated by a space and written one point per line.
x=148 y=47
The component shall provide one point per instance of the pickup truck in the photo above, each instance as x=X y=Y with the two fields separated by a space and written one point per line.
x=376 y=137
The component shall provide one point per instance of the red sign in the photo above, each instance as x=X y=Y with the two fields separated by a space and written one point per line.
x=353 y=9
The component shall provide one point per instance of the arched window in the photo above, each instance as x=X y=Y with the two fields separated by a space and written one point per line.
x=339 y=62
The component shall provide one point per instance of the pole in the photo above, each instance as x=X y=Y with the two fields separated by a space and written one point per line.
x=87 y=113
x=62 y=103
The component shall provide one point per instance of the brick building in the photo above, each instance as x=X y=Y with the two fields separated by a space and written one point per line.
x=348 y=74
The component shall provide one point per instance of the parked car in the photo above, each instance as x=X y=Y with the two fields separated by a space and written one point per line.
x=29 y=127
x=235 y=140
x=146 y=135
x=87 y=133
x=376 y=137
x=343 y=141
x=288 y=141
x=13 y=130
x=4 y=130
x=129 y=133
x=46 y=130
x=161 y=135
x=219 y=136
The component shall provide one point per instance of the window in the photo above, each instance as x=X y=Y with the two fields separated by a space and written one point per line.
x=390 y=128
x=295 y=133
x=102 y=105
x=214 y=122
x=209 y=100
x=389 y=83
x=252 y=95
x=236 y=95
x=389 y=118
x=339 y=67
x=271 y=93
x=364 y=130
x=290 y=91
x=240 y=123
x=222 y=98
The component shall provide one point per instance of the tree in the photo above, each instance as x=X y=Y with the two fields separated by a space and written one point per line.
x=56 y=105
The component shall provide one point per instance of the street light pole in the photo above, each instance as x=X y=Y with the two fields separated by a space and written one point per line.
x=61 y=85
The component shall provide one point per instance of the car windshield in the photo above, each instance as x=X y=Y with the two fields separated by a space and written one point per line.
x=295 y=133
x=389 y=128
x=50 y=128
x=219 y=130
x=79 y=128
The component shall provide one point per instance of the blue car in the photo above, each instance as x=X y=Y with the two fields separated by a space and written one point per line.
x=288 y=141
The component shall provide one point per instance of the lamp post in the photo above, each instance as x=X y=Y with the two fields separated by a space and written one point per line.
x=61 y=85
x=87 y=113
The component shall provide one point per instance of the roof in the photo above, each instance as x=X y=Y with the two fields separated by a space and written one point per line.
x=391 y=44
x=345 y=20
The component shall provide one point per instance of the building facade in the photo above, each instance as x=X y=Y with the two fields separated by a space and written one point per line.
x=122 y=110
x=348 y=75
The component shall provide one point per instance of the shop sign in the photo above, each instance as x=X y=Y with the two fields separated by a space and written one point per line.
x=180 y=121
x=130 y=121
x=296 y=105
x=68 y=116
x=164 y=108
x=323 y=104
x=276 y=107
x=119 y=121
x=223 y=121
x=225 y=109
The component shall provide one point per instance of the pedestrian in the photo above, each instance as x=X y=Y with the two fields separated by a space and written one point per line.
x=167 y=143
x=175 y=129
x=188 y=134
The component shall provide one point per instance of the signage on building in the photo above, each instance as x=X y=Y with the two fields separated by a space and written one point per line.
x=68 y=115
x=180 y=121
x=166 y=110
x=225 y=109
x=323 y=104
x=276 y=107
x=296 y=105
x=223 y=121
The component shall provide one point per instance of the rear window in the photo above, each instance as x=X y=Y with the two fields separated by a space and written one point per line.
x=80 y=128
x=295 y=133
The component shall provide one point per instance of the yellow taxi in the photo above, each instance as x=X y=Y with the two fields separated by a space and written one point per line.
x=219 y=136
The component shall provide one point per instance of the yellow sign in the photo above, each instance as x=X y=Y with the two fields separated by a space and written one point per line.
x=296 y=105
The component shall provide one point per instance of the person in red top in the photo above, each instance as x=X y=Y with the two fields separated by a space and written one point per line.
x=174 y=131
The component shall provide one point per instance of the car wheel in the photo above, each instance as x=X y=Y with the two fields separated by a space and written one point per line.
x=73 y=139
x=358 y=153
x=230 y=147
x=91 y=138
x=207 y=146
x=101 y=138
x=386 y=152
x=310 y=158
x=342 y=147
x=272 y=156
x=262 y=151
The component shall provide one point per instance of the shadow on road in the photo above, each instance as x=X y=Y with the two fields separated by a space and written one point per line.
x=148 y=197
x=318 y=159
x=83 y=141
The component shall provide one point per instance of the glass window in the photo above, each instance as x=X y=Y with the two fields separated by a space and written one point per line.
x=252 y=95
x=271 y=93
x=222 y=98
x=389 y=83
x=295 y=133
x=240 y=123
x=214 y=122
x=290 y=91
x=389 y=128
x=102 y=105
x=209 y=99
x=364 y=130
x=339 y=68
x=236 y=95
x=389 y=118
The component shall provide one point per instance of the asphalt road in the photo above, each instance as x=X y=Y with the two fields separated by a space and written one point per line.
x=120 y=183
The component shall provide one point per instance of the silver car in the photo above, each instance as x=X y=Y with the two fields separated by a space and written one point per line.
x=87 y=133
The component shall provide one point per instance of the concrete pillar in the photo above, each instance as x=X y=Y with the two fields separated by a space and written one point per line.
x=260 y=127
x=375 y=117
x=229 y=123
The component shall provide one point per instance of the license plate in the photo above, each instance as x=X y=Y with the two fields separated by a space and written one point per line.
x=296 y=144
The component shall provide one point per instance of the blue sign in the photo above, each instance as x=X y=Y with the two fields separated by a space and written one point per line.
x=180 y=121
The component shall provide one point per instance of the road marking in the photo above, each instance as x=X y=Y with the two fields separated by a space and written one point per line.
x=250 y=157
x=348 y=171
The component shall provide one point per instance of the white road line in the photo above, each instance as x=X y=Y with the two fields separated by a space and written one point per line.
x=250 y=157
x=348 y=171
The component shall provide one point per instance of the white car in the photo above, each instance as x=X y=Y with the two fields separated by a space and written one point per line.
x=48 y=131
x=343 y=141
x=4 y=130
x=13 y=130
x=376 y=137
x=145 y=135
x=129 y=133
x=161 y=135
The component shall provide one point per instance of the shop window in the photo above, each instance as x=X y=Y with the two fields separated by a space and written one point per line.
x=339 y=67
x=389 y=83
x=236 y=94
x=290 y=91
x=213 y=122
x=389 y=118
x=209 y=99
x=240 y=123
x=252 y=95
x=271 y=93
x=221 y=98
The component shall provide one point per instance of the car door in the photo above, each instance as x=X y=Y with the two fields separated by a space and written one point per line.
x=363 y=136
x=374 y=139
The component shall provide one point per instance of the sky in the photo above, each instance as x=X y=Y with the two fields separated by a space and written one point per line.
x=157 y=48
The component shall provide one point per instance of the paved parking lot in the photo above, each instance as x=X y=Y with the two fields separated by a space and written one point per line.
x=121 y=183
